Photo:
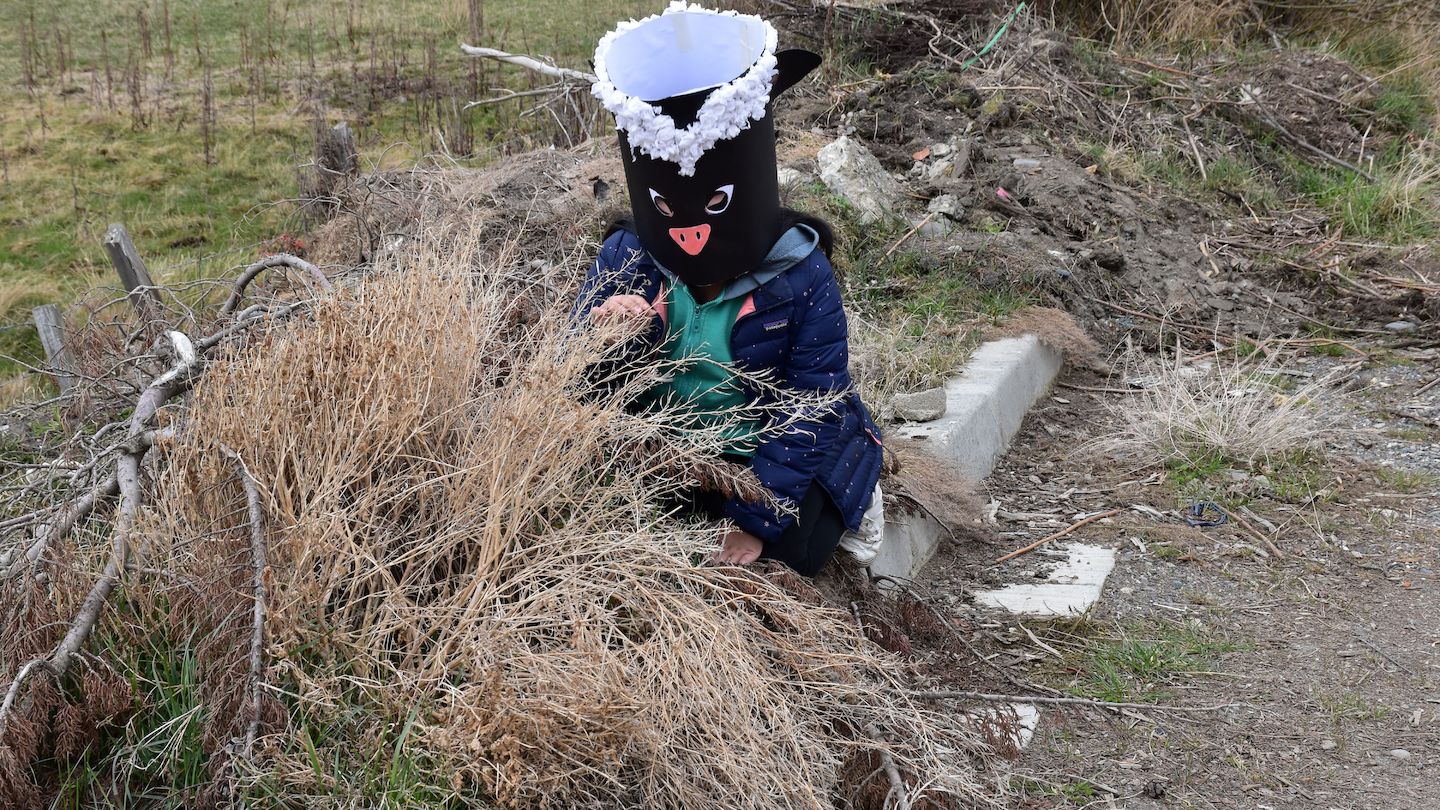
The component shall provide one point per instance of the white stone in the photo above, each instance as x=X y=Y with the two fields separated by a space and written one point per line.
x=1069 y=590
x=792 y=177
x=1401 y=754
x=849 y=169
x=948 y=205
x=921 y=406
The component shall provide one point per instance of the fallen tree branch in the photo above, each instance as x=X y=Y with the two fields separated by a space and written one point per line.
x=1266 y=120
x=237 y=293
x=512 y=94
x=951 y=694
x=892 y=772
x=127 y=477
x=1057 y=535
x=1244 y=524
x=127 y=474
x=531 y=63
x=76 y=510
x=257 y=625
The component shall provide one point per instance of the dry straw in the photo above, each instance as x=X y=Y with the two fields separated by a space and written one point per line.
x=468 y=541
x=1240 y=410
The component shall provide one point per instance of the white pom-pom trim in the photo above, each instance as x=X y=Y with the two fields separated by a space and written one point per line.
x=726 y=112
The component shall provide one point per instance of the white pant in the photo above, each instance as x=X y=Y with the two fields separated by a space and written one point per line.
x=864 y=543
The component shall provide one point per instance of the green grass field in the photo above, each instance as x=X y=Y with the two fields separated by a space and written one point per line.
x=103 y=108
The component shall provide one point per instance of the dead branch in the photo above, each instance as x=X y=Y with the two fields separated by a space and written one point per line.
x=1057 y=535
x=548 y=90
x=127 y=479
x=257 y=627
x=531 y=63
x=127 y=473
x=237 y=293
x=960 y=694
x=1259 y=115
x=892 y=771
x=48 y=534
x=1244 y=524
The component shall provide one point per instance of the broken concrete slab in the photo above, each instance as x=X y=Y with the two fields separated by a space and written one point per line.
x=987 y=402
x=984 y=407
x=1017 y=721
x=1069 y=590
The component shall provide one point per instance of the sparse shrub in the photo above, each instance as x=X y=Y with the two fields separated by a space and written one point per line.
x=1191 y=416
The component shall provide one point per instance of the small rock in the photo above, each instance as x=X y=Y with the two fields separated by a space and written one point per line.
x=1401 y=754
x=940 y=171
x=1027 y=163
x=1127 y=591
x=1105 y=257
x=1400 y=326
x=935 y=228
x=792 y=177
x=852 y=172
x=940 y=149
x=947 y=205
x=1328 y=745
x=922 y=406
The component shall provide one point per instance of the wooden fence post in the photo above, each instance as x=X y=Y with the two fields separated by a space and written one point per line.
x=132 y=270
x=52 y=336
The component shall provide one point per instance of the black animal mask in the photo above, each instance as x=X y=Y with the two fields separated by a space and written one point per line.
x=691 y=91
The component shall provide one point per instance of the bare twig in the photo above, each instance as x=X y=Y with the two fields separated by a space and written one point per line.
x=1261 y=116
x=898 y=242
x=257 y=626
x=1057 y=535
x=531 y=63
x=951 y=694
x=1244 y=524
x=127 y=478
x=237 y=294
x=892 y=771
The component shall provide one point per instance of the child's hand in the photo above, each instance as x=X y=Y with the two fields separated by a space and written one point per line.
x=739 y=548
x=620 y=308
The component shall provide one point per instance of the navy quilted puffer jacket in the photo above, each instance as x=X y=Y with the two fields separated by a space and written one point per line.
x=793 y=327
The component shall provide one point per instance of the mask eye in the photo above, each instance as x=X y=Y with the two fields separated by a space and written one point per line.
x=661 y=204
x=720 y=200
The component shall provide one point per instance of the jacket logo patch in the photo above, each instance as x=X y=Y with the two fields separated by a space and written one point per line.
x=780 y=324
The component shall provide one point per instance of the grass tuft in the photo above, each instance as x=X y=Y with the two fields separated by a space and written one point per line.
x=1199 y=419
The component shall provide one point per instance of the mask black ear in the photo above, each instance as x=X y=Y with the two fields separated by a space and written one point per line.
x=792 y=66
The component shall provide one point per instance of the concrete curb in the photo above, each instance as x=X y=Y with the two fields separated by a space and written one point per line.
x=984 y=408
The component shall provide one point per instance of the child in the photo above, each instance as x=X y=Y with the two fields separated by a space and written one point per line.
x=725 y=278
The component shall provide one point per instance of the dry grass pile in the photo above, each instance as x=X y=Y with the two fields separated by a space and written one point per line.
x=1234 y=410
x=1057 y=330
x=902 y=355
x=1139 y=22
x=462 y=544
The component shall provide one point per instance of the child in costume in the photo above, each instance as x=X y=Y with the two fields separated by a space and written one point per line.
x=724 y=278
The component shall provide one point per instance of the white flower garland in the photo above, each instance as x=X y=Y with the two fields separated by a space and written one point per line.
x=727 y=111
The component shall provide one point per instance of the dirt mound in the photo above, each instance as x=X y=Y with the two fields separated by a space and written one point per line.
x=1317 y=98
x=551 y=197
